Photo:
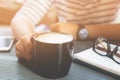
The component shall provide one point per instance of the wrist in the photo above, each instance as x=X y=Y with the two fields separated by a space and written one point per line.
x=82 y=33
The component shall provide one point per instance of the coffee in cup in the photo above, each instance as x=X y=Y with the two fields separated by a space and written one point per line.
x=54 y=38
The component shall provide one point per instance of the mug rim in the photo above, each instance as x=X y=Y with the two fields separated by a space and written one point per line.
x=53 y=32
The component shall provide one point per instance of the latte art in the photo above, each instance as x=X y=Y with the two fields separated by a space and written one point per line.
x=54 y=38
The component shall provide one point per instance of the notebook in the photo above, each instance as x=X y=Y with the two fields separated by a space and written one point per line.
x=97 y=62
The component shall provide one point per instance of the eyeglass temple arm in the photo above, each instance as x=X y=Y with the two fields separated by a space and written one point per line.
x=101 y=43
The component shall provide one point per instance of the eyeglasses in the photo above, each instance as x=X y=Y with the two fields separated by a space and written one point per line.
x=104 y=48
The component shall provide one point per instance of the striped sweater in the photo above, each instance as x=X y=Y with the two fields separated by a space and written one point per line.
x=74 y=11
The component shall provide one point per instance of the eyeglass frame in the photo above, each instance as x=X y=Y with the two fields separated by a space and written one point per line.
x=109 y=52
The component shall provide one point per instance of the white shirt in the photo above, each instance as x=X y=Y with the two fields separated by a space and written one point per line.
x=74 y=11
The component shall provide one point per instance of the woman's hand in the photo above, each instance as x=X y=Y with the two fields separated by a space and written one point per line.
x=24 y=46
x=65 y=28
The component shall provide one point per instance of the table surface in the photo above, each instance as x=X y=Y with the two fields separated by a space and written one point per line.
x=11 y=69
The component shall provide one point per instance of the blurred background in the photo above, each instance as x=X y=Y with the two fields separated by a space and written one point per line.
x=8 y=9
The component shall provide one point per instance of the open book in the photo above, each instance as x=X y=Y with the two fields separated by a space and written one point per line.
x=91 y=59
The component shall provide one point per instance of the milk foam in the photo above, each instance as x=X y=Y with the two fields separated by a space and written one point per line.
x=54 y=38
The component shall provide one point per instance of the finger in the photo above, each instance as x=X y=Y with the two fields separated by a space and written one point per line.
x=18 y=53
x=25 y=50
x=36 y=34
x=28 y=46
x=22 y=50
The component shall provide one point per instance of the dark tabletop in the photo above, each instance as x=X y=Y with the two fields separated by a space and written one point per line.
x=11 y=69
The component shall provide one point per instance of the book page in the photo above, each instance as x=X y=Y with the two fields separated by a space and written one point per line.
x=102 y=62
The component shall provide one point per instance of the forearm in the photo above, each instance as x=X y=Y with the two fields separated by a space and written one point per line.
x=20 y=27
x=28 y=15
x=110 y=31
